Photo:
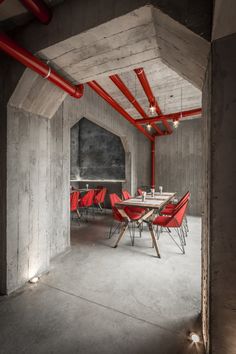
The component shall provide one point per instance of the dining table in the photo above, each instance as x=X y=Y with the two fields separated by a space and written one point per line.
x=153 y=204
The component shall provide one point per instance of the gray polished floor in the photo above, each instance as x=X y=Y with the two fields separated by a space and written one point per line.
x=97 y=299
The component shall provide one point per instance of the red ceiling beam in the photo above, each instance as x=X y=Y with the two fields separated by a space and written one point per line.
x=39 y=9
x=101 y=92
x=124 y=89
x=171 y=116
x=126 y=92
x=148 y=91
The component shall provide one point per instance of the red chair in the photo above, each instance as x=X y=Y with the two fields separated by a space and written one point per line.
x=99 y=198
x=86 y=202
x=118 y=218
x=174 y=222
x=126 y=194
x=169 y=209
x=140 y=192
x=74 y=200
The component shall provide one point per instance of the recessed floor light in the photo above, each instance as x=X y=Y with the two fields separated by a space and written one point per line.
x=34 y=280
x=194 y=337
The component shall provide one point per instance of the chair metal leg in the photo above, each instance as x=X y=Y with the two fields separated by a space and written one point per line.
x=140 y=227
x=114 y=227
x=185 y=223
x=158 y=231
x=183 y=234
x=181 y=246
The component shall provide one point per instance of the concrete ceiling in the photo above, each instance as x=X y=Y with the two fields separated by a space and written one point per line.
x=11 y=8
x=167 y=87
x=224 y=22
x=174 y=58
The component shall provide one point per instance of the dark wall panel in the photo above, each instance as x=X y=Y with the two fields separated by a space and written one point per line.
x=98 y=155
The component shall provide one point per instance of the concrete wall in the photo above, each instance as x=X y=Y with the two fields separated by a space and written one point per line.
x=38 y=155
x=28 y=202
x=206 y=180
x=223 y=197
x=179 y=162
x=59 y=183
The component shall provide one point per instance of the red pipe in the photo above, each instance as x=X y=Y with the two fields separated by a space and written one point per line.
x=101 y=92
x=158 y=130
x=124 y=89
x=148 y=91
x=171 y=116
x=39 y=9
x=153 y=164
x=34 y=63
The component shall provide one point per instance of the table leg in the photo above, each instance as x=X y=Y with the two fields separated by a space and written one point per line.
x=122 y=232
x=154 y=239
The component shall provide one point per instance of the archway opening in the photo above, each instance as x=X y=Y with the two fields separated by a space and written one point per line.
x=155 y=51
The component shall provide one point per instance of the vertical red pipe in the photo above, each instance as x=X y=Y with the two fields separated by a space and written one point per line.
x=153 y=164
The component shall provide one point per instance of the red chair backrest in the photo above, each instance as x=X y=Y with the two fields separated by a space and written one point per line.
x=74 y=198
x=177 y=218
x=115 y=212
x=87 y=199
x=140 y=192
x=114 y=199
x=182 y=201
x=100 y=196
x=126 y=194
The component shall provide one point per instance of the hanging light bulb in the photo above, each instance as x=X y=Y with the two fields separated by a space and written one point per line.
x=149 y=126
x=152 y=109
x=176 y=123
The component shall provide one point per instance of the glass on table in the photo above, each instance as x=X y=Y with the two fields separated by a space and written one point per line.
x=143 y=196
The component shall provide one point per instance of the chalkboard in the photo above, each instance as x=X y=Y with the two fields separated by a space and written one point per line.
x=101 y=155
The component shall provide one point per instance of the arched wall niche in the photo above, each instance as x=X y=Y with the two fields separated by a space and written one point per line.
x=75 y=174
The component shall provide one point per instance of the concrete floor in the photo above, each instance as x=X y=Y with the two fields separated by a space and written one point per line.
x=97 y=299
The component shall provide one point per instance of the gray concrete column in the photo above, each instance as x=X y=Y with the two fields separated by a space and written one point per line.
x=220 y=220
